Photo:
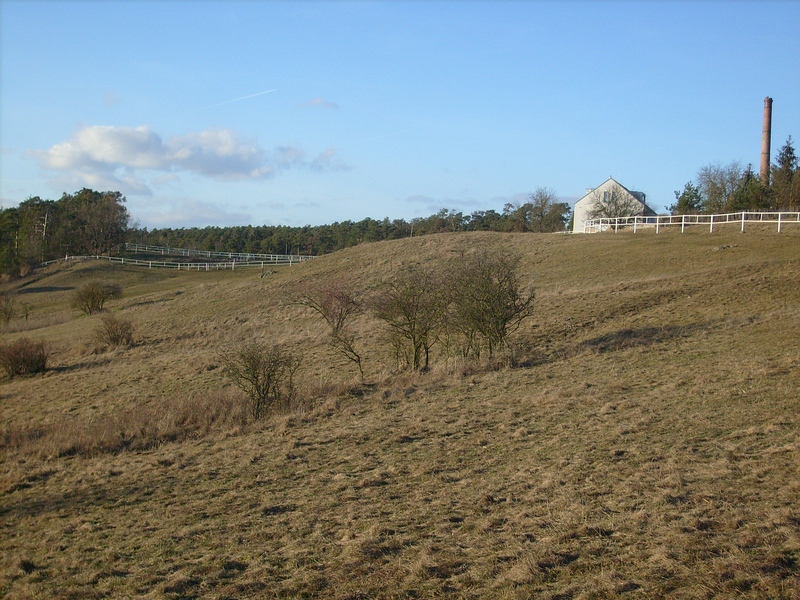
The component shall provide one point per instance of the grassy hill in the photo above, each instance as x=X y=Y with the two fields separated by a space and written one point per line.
x=647 y=446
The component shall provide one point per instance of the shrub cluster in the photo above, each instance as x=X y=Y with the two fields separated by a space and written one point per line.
x=23 y=357
x=471 y=305
x=91 y=297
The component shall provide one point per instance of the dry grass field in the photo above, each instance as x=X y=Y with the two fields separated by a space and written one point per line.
x=646 y=445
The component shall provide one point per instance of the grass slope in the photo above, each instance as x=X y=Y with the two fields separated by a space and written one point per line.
x=648 y=447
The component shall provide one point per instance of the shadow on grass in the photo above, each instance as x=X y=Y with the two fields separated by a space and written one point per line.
x=637 y=338
x=100 y=362
x=615 y=341
x=43 y=289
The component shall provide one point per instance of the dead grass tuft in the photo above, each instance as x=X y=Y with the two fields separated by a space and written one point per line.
x=136 y=428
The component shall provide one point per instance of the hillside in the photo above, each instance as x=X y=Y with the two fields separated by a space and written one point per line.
x=647 y=445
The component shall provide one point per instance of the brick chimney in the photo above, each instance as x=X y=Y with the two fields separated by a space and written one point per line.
x=766 y=136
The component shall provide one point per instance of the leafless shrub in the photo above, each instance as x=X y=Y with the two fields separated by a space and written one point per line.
x=487 y=300
x=114 y=331
x=23 y=357
x=265 y=373
x=91 y=297
x=8 y=305
x=338 y=304
x=411 y=305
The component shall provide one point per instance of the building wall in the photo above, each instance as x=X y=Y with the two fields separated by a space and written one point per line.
x=584 y=205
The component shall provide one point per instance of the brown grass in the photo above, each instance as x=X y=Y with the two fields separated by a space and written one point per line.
x=646 y=446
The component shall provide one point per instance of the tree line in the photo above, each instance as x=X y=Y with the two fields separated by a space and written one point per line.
x=732 y=188
x=541 y=212
x=84 y=223
x=89 y=222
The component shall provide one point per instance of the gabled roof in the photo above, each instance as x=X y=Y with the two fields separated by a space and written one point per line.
x=638 y=196
x=582 y=207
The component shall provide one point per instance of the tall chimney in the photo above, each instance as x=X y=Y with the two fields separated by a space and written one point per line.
x=766 y=136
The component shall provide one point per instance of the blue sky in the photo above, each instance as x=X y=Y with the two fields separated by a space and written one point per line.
x=224 y=113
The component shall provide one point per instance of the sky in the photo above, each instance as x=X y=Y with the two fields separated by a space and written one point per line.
x=309 y=113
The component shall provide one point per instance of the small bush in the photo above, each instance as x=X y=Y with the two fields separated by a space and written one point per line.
x=8 y=305
x=23 y=357
x=114 y=331
x=265 y=373
x=91 y=297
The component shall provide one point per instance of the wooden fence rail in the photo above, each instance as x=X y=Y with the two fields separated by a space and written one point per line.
x=193 y=266
x=641 y=222
x=237 y=256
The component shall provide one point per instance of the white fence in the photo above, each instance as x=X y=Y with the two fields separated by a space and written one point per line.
x=641 y=222
x=237 y=256
x=193 y=266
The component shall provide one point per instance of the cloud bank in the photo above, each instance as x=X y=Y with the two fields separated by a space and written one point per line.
x=109 y=157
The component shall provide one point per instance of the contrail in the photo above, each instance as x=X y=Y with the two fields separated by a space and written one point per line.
x=237 y=99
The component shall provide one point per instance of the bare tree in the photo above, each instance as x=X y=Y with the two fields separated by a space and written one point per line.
x=613 y=203
x=545 y=214
x=720 y=185
x=487 y=299
x=411 y=305
x=338 y=304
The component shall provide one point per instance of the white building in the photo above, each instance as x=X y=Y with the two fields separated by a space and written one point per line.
x=583 y=207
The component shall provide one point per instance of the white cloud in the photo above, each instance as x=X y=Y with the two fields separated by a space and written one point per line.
x=294 y=156
x=320 y=103
x=289 y=156
x=329 y=161
x=109 y=157
x=219 y=154
x=188 y=212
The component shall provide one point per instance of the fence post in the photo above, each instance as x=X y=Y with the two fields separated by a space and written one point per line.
x=779 y=222
x=743 y=214
x=711 y=230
